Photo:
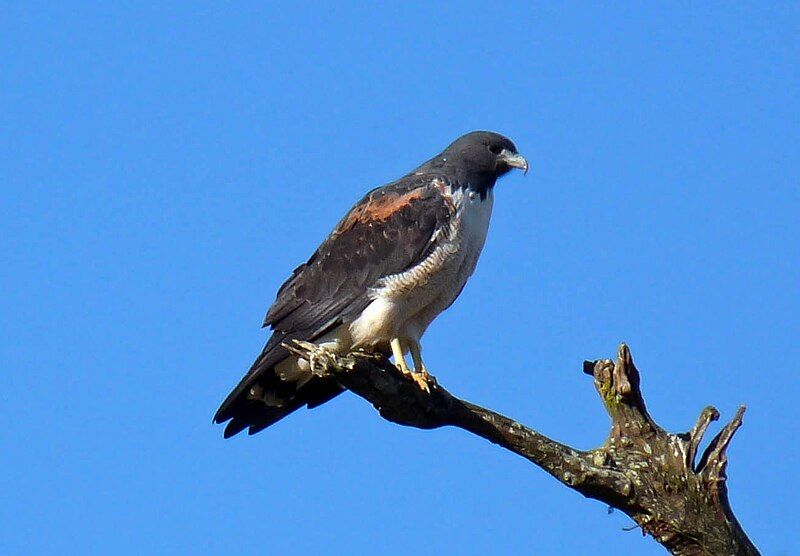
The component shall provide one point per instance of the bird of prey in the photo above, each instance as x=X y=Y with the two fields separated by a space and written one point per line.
x=399 y=258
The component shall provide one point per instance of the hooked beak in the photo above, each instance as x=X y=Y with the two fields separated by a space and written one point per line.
x=514 y=160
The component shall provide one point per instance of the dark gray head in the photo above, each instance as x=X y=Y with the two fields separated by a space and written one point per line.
x=485 y=152
x=477 y=159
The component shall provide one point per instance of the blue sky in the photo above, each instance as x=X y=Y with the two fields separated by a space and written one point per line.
x=165 y=167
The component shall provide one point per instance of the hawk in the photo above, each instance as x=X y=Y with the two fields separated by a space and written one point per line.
x=400 y=257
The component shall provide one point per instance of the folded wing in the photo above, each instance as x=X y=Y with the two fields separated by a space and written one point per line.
x=388 y=231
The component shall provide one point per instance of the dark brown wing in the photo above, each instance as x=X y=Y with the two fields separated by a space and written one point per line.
x=388 y=231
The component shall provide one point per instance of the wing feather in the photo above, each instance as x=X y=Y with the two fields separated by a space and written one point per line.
x=384 y=233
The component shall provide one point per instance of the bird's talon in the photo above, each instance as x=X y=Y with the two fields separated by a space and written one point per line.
x=422 y=379
x=422 y=382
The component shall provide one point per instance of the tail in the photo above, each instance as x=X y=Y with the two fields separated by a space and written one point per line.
x=261 y=398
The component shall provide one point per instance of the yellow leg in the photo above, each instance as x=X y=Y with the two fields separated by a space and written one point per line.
x=399 y=358
x=421 y=376
x=416 y=356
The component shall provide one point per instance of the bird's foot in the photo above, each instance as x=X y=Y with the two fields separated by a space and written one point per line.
x=423 y=379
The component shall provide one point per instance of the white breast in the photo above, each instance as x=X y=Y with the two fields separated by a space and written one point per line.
x=476 y=214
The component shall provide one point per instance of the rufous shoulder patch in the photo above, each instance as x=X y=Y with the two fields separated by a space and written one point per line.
x=377 y=209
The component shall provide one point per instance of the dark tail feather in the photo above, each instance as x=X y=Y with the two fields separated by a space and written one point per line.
x=246 y=412
x=255 y=415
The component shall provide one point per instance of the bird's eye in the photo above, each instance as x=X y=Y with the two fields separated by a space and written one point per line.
x=495 y=149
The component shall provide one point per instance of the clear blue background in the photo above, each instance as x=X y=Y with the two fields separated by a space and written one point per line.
x=163 y=168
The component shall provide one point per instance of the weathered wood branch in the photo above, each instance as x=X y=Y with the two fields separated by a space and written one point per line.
x=642 y=470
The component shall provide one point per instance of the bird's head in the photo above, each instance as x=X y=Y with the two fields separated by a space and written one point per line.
x=484 y=153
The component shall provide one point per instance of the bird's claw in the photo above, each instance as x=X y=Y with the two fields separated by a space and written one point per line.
x=423 y=379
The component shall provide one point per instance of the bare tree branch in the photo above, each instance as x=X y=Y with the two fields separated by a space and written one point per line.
x=641 y=469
